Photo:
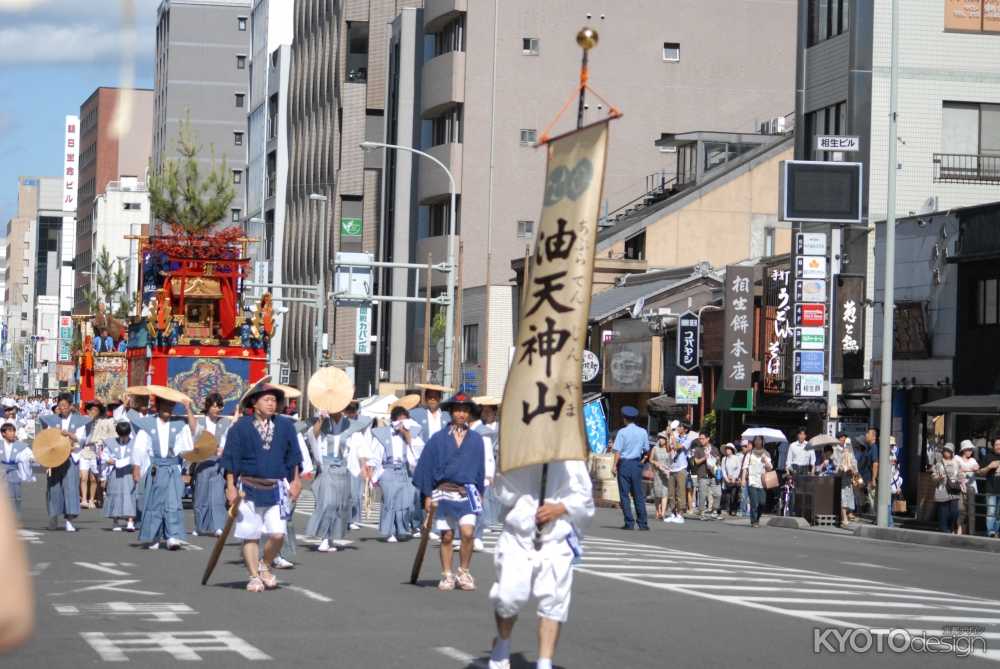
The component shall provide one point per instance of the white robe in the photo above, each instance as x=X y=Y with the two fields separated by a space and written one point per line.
x=546 y=574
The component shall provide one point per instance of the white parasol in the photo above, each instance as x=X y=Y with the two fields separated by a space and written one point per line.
x=769 y=434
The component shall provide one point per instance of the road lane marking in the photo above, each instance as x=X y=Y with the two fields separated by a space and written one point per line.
x=39 y=568
x=182 y=646
x=109 y=586
x=308 y=593
x=101 y=567
x=30 y=537
x=460 y=656
x=153 y=611
x=871 y=565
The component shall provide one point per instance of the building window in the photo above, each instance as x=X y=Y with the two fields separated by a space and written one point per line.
x=451 y=37
x=827 y=18
x=769 y=241
x=635 y=247
x=470 y=343
x=447 y=128
x=357 y=52
x=132 y=206
x=241 y=24
x=672 y=52
x=237 y=176
x=830 y=120
x=971 y=16
x=970 y=143
x=529 y=136
x=234 y=215
x=525 y=229
x=238 y=139
x=529 y=46
x=241 y=62
x=986 y=302
x=439 y=218
x=240 y=99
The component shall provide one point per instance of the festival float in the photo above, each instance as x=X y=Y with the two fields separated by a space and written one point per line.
x=190 y=328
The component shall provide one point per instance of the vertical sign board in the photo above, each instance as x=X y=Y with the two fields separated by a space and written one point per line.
x=71 y=159
x=362 y=330
x=65 y=338
x=777 y=326
x=737 y=347
x=688 y=341
x=848 y=348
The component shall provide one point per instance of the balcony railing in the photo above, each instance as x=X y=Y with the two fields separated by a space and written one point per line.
x=966 y=168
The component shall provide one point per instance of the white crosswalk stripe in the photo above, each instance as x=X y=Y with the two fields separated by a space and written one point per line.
x=828 y=599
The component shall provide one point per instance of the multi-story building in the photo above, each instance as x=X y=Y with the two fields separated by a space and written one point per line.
x=22 y=245
x=202 y=52
x=116 y=133
x=488 y=78
x=336 y=100
x=948 y=134
x=120 y=215
x=267 y=149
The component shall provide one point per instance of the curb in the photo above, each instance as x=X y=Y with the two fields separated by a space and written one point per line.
x=789 y=522
x=922 y=537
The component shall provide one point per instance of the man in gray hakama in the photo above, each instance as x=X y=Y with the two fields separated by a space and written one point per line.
x=332 y=487
x=63 y=482
x=164 y=490
x=393 y=448
x=209 y=480
x=15 y=461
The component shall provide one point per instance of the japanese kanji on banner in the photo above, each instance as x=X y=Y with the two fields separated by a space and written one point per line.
x=543 y=416
x=737 y=362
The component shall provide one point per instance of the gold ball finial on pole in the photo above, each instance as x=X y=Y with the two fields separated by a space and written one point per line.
x=587 y=38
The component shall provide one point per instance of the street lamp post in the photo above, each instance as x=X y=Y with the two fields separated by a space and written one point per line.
x=449 y=332
x=321 y=284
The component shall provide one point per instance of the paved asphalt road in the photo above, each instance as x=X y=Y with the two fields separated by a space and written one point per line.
x=702 y=594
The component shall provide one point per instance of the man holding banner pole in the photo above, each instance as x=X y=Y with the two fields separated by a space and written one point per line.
x=543 y=478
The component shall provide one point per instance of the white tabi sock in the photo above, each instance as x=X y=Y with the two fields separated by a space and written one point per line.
x=501 y=650
x=544 y=663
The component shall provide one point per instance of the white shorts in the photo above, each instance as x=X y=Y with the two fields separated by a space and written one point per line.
x=89 y=466
x=252 y=522
x=450 y=523
x=522 y=573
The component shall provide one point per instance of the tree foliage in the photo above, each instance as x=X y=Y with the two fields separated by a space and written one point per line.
x=184 y=197
x=110 y=287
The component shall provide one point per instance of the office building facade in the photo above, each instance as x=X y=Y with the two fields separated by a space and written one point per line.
x=490 y=78
x=202 y=53
x=116 y=133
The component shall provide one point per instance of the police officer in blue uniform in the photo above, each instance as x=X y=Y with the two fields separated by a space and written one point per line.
x=631 y=448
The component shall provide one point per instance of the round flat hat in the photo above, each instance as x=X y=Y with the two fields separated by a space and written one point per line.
x=408 y=402
x=487 y=401
x=51 y=448
x=330 y=389
x=138 y=390
x=459 y=399
x=434 y=386
x=167 y=393
x=253 y=389
x=205 y=447
x=290 y=392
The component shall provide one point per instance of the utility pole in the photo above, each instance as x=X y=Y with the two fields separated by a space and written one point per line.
x=324 y=250
x=889 y=299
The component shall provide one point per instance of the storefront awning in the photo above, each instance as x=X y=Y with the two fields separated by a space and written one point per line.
x=968 y=404
x=666 y=404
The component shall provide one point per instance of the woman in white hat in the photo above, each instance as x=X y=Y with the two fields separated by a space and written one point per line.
x=968 y=466
x=948 y=477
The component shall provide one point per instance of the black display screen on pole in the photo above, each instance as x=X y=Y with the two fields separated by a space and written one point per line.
x=823 y=192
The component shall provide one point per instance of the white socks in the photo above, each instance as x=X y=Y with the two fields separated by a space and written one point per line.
x=501 y=650
x=544 y=663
